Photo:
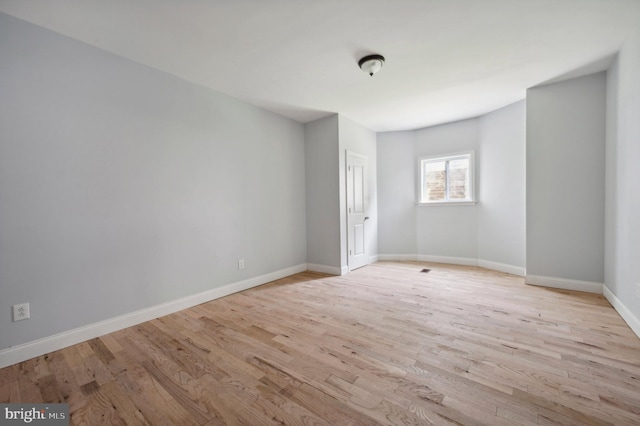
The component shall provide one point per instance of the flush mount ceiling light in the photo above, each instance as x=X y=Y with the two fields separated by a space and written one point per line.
x=371 y=64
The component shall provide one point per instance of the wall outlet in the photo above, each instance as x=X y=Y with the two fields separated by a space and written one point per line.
x=638 y=290
x=21 y=312
x=241 y=264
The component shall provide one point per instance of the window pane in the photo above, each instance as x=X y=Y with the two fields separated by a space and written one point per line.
x=459 y=179
x=435 y=181
x=435 y=166
x=448 y=178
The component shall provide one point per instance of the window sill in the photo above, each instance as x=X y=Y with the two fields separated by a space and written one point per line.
x=447 y=203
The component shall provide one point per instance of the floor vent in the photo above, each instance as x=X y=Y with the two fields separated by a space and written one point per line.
x=425 y=270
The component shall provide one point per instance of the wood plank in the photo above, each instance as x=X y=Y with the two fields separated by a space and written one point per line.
x=384 y=344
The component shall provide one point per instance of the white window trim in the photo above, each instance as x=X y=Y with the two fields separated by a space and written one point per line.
x=446 y=157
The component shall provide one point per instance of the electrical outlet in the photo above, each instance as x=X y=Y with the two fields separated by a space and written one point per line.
x=21 y=312
x=638 y=290
x=241 y=264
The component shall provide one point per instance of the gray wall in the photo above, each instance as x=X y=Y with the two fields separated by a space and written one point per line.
x=493 y=231
x=356 y=138
x=501 y=186
x=122 y=187
x=443 y=230
x=396 y=194
x=565 y=179
x=322 y=193
x=326 y=142
x=622 y=254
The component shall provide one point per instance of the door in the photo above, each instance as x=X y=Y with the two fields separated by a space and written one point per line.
x=356 y=210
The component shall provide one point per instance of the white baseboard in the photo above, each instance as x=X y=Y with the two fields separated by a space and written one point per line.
x=398 y=257
x=563 y=283
x=324 y=269
x=467 y=261
x=48 y=344
x=373 y=259
x=632 y=321
x=495 y=266
x=503 y=267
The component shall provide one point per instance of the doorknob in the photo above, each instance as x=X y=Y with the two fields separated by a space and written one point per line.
x=366 y=217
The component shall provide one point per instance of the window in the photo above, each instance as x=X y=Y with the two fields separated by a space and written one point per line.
x=447 y=179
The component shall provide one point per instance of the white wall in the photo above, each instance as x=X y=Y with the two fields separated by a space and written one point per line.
x=622 y=244
x=565 y=180
x=491 y=233
x=322 y=194
x=501 y=186
x=355 y=138
x=122 y=187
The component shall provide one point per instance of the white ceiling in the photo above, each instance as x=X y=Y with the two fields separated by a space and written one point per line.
x=446 y=59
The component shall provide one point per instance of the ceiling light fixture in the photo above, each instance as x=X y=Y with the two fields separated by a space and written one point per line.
x=371 y=64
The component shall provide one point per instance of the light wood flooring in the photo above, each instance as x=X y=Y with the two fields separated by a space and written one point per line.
x=386 y=344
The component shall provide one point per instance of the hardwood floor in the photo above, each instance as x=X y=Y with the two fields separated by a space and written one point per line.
x=386 y=344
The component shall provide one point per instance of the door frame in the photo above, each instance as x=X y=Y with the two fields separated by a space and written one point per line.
x=365 y=188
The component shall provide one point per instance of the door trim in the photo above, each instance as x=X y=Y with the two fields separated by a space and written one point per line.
x=365 y=188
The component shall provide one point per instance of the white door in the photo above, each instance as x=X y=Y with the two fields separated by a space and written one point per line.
x=356 y=210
